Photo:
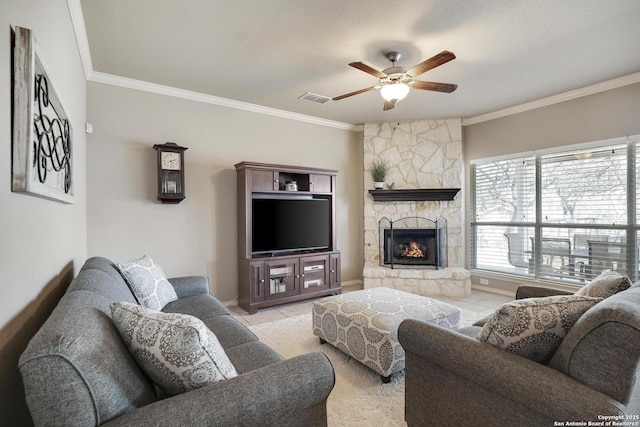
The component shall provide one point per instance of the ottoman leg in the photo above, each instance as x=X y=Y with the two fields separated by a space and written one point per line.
x=386 y=380
x=322 y=341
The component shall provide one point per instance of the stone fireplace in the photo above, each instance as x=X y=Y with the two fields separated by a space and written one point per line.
x=424 y=155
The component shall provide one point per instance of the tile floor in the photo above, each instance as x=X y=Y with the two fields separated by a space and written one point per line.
x=477 y=306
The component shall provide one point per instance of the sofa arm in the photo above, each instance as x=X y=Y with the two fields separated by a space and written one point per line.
x=287 y=393
x=190 y=285
x=528 y=384
x=531 y=291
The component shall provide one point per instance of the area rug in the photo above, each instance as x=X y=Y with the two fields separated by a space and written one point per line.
x=359 y=397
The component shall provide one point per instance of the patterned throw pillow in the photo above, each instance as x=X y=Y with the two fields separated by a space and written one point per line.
x=605 y=285
x=534 y=327
x=177 y=351
x=148 y=283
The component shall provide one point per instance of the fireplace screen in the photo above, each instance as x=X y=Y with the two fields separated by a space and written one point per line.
x=413 y=242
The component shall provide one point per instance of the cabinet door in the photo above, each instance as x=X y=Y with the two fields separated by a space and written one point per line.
x=321 y=183
x=263 y=181
x=282 y=278
x=314 y=273
x=334 y=270
x=256 y=281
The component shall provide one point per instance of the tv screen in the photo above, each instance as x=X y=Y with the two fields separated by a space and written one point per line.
x=282 y=225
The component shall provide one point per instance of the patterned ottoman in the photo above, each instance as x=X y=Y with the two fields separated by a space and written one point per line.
x=364 y=324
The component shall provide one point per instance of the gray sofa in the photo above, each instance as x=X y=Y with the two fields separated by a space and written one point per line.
x=78 y=372
x=454 y=379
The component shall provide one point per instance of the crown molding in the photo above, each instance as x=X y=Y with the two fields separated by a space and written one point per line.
x=80 y=31
x=77 y=21
x=126 y=82
x=556 y=99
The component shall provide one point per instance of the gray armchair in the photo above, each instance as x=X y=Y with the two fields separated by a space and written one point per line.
x=453 y=379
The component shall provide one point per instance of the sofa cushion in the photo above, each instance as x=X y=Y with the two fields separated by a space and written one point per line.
x=534 y=327
x=176 y=350
x=102 y=283
x=229 y=331
x=148 y=282
x=201 y=306
x=605 y=285
x=251 y=356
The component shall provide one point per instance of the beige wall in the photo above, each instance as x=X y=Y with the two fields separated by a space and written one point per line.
x=198 y=236
x=603 y=115
x=42 y=243
x=609 y=114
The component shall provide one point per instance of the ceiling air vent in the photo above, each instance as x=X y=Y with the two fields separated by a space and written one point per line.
x=315 y=98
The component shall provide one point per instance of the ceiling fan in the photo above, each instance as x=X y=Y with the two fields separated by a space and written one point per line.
x=395 y=82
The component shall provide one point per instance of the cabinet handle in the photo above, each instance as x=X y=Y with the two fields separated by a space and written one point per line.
x=302 y=275
x=333 y=271
x=261 y=280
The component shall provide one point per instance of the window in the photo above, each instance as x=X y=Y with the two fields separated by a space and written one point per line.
x=565 y=215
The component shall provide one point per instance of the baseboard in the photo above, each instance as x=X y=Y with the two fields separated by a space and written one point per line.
x=493 y=290
x=230 y=303
x=352 y=283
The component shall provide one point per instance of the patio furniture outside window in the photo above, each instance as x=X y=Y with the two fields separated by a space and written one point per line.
x=564 y=215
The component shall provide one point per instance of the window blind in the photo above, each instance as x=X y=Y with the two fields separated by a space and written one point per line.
x=582 y=188
x=504 y=204
x=567 y=215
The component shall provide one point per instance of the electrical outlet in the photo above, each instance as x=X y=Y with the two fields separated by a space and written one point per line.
x=484 y=281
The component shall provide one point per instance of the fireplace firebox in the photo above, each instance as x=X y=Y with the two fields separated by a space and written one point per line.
x=413 y=242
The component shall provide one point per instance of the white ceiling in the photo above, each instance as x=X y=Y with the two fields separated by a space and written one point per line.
x=270 y=52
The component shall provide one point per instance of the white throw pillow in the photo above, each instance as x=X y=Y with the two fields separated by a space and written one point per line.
x=148 y=282
x=605 y=285
x=177 y=351
x=535 y=327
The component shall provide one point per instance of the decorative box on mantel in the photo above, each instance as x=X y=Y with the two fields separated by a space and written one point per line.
x=413 y=194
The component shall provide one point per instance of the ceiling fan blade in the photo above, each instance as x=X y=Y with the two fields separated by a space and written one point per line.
x=438 y=87
x=364 y=67
x=388 y=105
x=433 y=62
x=357 y=92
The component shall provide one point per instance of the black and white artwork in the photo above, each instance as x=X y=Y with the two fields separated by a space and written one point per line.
x=42 y=156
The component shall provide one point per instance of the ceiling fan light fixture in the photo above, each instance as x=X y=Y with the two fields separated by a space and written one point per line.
x=395 y=82
x=394 y=91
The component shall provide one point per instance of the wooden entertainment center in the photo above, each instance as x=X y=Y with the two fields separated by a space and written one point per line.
x=268 y=278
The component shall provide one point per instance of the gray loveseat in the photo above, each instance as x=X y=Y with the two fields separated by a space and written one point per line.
x=78 y=372
x=454 y=379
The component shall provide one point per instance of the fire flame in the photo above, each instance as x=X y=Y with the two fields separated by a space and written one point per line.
x=413 y=250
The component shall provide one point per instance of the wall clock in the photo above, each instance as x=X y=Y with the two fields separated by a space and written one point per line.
x=170 y=172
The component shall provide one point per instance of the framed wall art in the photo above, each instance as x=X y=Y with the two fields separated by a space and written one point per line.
x=42 y=155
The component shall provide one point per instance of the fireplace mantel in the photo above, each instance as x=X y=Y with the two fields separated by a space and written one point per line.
x=413 y=194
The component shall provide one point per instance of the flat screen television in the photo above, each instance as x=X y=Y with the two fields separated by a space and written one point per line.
x=290 y=224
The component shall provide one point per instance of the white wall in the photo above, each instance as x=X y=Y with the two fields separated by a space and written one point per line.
x=42 y=243
x=198 y=236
